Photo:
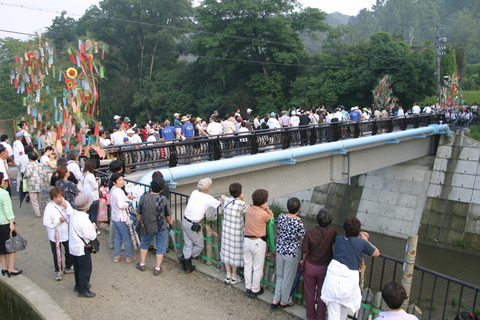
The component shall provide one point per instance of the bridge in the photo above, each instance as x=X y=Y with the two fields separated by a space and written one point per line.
x=300 y=158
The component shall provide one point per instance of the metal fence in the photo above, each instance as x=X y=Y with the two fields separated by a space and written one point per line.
x=172 y=153
x=438 y=296
x=7 y=126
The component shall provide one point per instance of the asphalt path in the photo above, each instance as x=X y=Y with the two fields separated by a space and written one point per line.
x=123 y=292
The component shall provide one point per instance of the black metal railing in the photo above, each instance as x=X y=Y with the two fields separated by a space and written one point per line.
x=437 y=295
x=174 y=152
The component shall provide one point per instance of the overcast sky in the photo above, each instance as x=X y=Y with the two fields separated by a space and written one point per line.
x=29 y=16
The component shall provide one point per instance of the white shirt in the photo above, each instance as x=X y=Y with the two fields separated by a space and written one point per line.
x=198 y=204
x=214 y=128
x=294 y=121
x=400 y=112
x=117 y=137
x=3 y=168
x=416 y=109
x=273 y=123
x=8 y=147
x=118 y=204
x=74 y=168
x=135 y=139
x=80 y=226
x=228 y=126
x=51 y=219
x=17 y=149
x=23 y=162
x=396 y=315
x=90 y=185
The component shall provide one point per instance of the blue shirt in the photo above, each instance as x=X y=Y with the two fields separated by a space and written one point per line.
x=177 y=123
x=355 y=115
x=349 y=251
x=188 y=130
x=168 y=133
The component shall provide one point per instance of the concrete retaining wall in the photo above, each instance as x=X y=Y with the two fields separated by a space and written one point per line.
x=436 y=197
x=22 y=299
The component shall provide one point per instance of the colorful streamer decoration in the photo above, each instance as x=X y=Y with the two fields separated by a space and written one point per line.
x=79 y=83
x=383 y=93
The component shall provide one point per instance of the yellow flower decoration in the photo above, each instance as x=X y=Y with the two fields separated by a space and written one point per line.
x=72 y=73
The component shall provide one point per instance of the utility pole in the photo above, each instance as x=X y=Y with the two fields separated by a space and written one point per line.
x=440 y=48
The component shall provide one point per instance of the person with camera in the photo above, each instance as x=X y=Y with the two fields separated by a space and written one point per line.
x=82 y=231
x=199 y=204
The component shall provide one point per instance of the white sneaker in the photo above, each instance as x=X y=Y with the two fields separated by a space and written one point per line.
x=227 y=280
x=58 y=276
x=236 y=280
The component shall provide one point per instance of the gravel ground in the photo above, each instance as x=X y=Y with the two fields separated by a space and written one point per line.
x=123 y=292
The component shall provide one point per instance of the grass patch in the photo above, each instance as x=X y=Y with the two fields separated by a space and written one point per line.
x=470 y=98
x=474 y=133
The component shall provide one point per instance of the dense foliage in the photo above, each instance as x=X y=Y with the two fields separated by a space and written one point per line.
x=165 y=56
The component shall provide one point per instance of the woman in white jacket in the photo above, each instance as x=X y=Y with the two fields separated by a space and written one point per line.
x=90 y=187
x=55 y=218
x=82 y=231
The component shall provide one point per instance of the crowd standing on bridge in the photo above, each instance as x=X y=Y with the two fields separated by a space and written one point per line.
x=71 y=215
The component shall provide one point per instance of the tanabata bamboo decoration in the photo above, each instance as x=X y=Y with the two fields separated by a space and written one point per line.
x=78 y=84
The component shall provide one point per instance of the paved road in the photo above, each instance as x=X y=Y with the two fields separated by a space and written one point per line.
x=123 y=292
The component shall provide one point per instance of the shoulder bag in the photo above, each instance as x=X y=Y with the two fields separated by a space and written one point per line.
x=15 y=243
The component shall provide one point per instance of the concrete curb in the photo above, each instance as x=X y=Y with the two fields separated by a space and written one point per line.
x=31 y=294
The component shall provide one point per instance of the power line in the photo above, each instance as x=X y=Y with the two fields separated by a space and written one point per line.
x=217 y=34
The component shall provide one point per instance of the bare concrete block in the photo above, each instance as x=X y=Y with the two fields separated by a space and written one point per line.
x=397 y=172
x=474 y=211
x=440 y=165
x=404 y=213
x=378 y=172
x=468 y=167
x=472 y=154
x=434 y=191
x=412 y=187
x=388 y=197
x=367 y=206
x=444 y=152
x=393 y=185
x=438 y=177
x=374 y=182
x=408 y=200
x=414 y=174
x=475 y=197
x=460 y=194
x=476 y=185
x=386 y=209
x=370 y=194
x=463 y=180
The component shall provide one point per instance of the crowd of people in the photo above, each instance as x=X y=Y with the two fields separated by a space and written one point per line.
x=78 y=201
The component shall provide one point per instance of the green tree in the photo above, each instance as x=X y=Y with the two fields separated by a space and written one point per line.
x=143 y=36
x=252 y=46
x=448 y=64
x=10 y=102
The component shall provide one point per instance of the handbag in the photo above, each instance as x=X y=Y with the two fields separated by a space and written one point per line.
x=93 y=246
x=15 y=243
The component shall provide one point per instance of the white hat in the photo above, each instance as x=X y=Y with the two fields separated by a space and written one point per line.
x=176 y=114
x=117 y=117
x=204 y=184
x=249 y=110
x=130 y=131
x=152 y=131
